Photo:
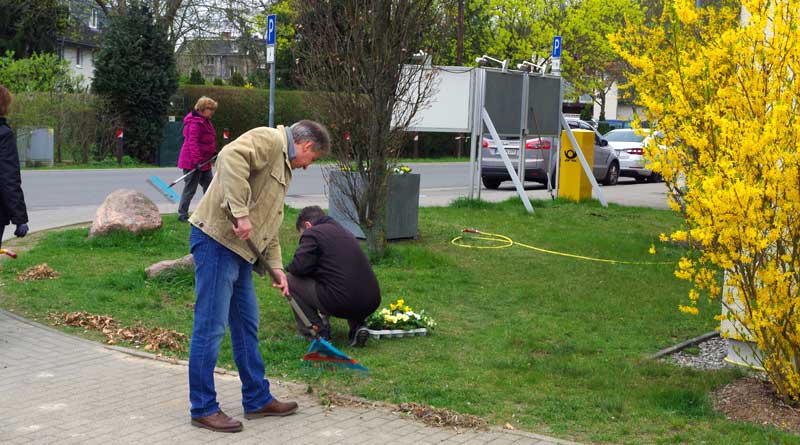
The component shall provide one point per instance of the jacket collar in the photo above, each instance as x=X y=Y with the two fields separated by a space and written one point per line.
x=3 y=121
x=290 y=143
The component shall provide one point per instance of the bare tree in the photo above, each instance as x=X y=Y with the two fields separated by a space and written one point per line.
x=351 y=53
x=185 y=18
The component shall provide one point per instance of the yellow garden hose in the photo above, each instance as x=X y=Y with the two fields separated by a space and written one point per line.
x=504 y=242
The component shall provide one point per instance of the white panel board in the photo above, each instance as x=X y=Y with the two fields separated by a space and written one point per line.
x=448 y=109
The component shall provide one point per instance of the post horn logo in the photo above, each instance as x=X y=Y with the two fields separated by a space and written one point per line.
x=570 y=155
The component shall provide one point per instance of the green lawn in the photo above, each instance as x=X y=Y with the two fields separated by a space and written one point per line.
x=549 y=344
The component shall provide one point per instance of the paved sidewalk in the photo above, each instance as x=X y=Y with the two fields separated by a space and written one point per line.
x=56 y=388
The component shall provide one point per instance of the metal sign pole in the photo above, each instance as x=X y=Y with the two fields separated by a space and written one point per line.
x=271 y=32
x=555 y=66
x=481 y=104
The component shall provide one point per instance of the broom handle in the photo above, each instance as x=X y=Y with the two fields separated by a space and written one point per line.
x=192 y=171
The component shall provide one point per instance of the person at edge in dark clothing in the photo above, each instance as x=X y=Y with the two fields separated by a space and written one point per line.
x=12 y=201
x=331 y=276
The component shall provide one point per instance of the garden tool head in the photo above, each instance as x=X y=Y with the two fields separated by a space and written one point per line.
x=9 y=253
x=323 y=351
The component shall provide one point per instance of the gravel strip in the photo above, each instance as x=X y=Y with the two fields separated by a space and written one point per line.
x=712 y=355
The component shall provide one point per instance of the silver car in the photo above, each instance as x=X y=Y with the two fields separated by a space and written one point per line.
x=537 y=159
x=629 y=147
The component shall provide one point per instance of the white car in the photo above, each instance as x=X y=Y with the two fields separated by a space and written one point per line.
x=629 y=147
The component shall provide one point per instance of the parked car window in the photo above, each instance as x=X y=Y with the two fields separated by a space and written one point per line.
x=623 y=136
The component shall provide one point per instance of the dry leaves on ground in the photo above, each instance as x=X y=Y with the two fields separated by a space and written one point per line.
x=38 y=272
x=431 y=416
x=441 y=417
x=149 y=338
x=754 y=400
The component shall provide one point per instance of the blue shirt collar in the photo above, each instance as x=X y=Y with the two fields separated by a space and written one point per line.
x=290 y=143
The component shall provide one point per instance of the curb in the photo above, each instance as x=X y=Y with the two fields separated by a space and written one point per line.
x=684 y=345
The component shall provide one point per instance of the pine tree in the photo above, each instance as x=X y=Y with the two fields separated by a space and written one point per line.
x=135 y=71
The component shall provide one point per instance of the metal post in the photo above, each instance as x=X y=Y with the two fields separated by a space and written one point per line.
x=272 y=95
x=120 y=135
x=481 y=103
x=523 y=128
x=475 y=138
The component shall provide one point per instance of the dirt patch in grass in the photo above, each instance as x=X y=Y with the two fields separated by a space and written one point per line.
x=38 y=272
x=753 y=400
x=149 y=338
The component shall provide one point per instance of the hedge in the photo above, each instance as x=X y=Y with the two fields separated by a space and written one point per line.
x=82 y=131
x=241 y=109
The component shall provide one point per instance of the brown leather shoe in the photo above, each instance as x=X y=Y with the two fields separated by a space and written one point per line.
x=219 y=422
x=273 y=408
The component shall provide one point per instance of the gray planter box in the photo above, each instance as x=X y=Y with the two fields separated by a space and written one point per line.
x=402 y=207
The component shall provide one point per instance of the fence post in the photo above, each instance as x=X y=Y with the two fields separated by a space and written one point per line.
x=120 y=136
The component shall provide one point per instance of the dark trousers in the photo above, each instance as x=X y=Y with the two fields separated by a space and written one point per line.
x=203 y=178
x=304 y=292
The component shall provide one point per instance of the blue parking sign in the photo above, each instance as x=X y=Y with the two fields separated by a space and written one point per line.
x=557 y=47
x=271 y=29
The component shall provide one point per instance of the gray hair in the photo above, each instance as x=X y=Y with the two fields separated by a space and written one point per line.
x=310 y=131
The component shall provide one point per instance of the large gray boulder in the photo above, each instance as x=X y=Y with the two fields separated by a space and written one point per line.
x=125 y=210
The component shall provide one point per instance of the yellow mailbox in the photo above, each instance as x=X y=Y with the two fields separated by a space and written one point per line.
x=572 y=180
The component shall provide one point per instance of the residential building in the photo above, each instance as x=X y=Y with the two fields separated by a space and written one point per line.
x=221 y=56
x=81 y=41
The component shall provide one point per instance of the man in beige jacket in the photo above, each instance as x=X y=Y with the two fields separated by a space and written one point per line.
x=253 y=174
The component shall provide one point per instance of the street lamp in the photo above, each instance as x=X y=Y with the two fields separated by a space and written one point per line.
x=484 y=60
x=530 y=66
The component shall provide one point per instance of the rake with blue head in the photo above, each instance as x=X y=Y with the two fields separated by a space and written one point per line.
x=322 y=350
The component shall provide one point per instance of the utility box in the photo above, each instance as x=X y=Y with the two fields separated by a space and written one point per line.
x=402 y=205
x=171 y=143
x=573 y=183
x=35 y=147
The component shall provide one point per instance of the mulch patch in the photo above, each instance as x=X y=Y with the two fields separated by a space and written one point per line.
x=753 y=400
x=149 y=338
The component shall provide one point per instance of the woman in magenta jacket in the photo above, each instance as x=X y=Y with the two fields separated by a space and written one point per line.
x=199 y=145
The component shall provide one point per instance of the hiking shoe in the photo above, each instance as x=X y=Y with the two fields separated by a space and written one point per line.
x=360 y=338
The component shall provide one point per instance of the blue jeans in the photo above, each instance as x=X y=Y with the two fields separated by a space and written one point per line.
x=225 y=295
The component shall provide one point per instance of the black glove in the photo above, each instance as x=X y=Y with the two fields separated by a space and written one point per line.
x=22 y=230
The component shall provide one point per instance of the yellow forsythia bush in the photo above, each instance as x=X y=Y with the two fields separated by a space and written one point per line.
x=721 y=84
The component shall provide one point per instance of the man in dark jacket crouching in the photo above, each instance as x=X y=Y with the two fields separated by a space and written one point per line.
x=331 y=276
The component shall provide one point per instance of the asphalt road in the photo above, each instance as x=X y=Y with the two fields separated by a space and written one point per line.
x=63 y=197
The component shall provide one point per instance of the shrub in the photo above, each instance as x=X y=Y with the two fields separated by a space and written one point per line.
x=219 y=82
x=40 y=72
x=586 y=112
x=237 y=80
x=196 y=78
x=711 y=82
